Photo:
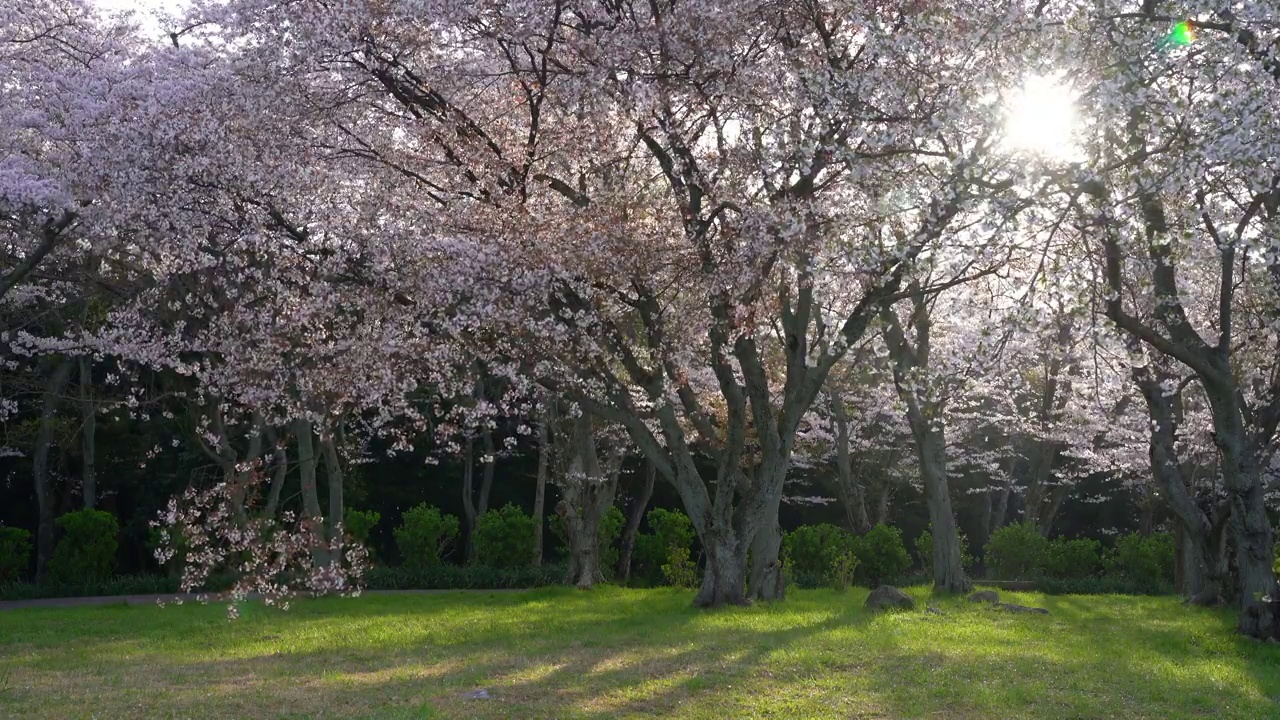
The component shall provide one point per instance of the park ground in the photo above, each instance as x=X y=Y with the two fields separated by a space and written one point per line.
x=616 y=653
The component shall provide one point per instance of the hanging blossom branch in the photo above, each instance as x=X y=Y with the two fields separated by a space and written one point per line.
x=276 y=560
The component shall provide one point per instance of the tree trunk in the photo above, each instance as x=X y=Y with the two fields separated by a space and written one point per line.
x=882 y=506
x=486 y=473
x=310 y=495
x=333 y=470
x=925 y=417
x=88 y=436
x=1001 y=513
x=540 y=492
x=1249 y=522
x=280 y=459
x=634 y=517
x=469 y=515
x=724 y=574
x=766 y=579
x=583 y=537
x=1049 y=513
x=852 y=493
x=587 y=492
x=40 y=465
x=1147 y=516
x=948 y=570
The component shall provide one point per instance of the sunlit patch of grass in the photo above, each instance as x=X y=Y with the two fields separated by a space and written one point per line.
x=636 y=653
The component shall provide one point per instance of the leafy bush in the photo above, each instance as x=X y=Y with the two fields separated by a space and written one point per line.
x=472 y=577
x=360 y=523
x=1016 y=552
x=882 y=557
x=504 y=538
x=610 y=531
x=87 y=550
x=680 y=569
x=424 y=535
x=1143 y=559
x=924 y=551
x=15 y=553
x=667 y=529
x=842 y=571
x=1071 y=559
x=812 y=550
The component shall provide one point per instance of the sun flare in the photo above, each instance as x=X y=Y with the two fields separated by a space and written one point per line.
x=1041 y=119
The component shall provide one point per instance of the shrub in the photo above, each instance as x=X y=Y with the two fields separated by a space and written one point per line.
x=680 y=569
x=15 y=553
x=424 y=535
x=811 y=551
x=882 y=557
x=468 y=577
x=842 y=571
x=117 y=585
x=1109 y=585
x=1015 y=552
x=610 y=531
x=360 y=523
x=1071 y=559
x=87 y=550
x=504 y=538
x=1143 y=559
x=924 y=551
x=667 y=529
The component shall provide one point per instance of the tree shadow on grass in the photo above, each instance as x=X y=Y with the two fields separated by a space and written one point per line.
x=623 y=653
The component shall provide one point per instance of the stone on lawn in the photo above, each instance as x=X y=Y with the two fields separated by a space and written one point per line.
x=986 y=596
x=887 y=597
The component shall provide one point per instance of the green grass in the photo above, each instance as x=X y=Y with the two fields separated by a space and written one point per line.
x=561 y=653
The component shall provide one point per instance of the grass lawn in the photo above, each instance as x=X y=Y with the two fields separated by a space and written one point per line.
x=561 y=653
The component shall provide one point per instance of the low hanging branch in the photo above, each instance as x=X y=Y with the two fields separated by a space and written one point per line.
x=273 y=560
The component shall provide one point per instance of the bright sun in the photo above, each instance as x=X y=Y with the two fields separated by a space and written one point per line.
x=1040 y=119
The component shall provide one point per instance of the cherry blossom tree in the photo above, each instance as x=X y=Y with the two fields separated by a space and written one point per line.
x=634 y=278
x=1180 y=199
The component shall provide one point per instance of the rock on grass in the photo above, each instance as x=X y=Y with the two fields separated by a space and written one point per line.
x=887 y=597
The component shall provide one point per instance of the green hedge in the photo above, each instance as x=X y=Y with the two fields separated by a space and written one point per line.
x=119 y=585
x=424 y=536
x=457 y=577
x=1103 y=586
x=15 y=553
x=86 y=553
x=882 y=556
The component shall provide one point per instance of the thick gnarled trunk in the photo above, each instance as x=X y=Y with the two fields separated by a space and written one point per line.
x=587 y=491
x=724 y=574
x=766 y=580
